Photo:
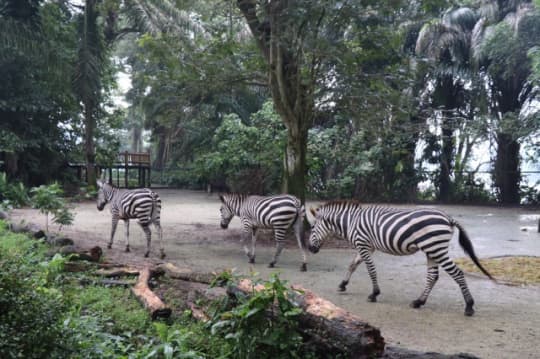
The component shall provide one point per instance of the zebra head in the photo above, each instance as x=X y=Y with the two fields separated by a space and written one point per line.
x=226 y=213
x=102 y=195
x=319 y=231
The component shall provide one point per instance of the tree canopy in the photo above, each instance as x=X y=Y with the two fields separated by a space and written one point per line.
x=392 y=101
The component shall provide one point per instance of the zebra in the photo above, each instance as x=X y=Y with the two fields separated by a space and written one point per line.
x=280 y=212
x=142 y=204
x=397 y=232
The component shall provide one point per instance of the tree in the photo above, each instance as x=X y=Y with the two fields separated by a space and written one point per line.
x=447 y=42
x=88 y=79
x=288 y=37
x=502 y=39
x=38 y=122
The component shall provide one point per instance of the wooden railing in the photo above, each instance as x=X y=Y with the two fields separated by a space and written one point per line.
x=134 y=158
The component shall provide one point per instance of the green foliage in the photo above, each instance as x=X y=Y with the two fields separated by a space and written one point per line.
x=248 y=156
x=48 y=199
x=12 y=194
x=263 y=324
x=31 y=309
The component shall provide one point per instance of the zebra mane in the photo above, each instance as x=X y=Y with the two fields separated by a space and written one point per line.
x=340 y=204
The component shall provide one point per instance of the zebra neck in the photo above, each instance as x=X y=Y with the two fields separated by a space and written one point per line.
x=236 y=204
x=114 y=191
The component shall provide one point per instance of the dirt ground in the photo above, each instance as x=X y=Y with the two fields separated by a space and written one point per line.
x=507 y=319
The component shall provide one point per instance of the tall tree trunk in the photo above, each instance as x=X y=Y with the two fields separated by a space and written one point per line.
x=507 y=174
x=89 y=147
x=447 y=152
x=294 y=181
x=292 y=94
x=136 y=140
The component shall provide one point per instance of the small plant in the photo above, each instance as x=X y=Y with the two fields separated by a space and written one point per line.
x=48 y=199
x=261 y=325
x=12 y=194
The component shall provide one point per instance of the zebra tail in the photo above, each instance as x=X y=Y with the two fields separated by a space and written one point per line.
x=467 y=246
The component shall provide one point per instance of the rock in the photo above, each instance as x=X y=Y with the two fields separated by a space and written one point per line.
x=59 y=241
x=19 y=227
x=67 y=250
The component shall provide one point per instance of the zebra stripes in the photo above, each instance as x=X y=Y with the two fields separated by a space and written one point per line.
x=277 y=212
x=141 y=204
x=396 y=232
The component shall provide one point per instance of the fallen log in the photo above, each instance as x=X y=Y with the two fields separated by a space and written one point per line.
x=118 y=271
x=329 y=329
x=186 y=274
x=149 y=299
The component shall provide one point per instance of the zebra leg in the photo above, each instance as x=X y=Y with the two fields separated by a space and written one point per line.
x=365 y=253
x=157 y=224
x=352 y=267
x=126 y=226
x=432 y=276
x=279 y=236
x=250 y=253
x=299 y=233
x=148 y=235
x=113 y=230
x=453 y=270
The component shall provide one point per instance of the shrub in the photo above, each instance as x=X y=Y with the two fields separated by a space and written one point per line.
x=261 y=325
x=48 y=199
x=30 y=310
x=12 y=194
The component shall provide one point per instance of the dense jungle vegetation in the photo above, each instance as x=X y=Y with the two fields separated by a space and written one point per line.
x=377 y=100
x=48 y=312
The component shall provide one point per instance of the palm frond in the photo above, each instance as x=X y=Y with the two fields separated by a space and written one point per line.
x=437 y=38
x=463 y=17
x=18 y=37
x=161 y=16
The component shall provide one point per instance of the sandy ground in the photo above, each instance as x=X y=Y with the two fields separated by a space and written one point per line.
x=507 y=319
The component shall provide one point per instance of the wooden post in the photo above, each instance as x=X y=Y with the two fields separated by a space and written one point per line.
x=126 y=169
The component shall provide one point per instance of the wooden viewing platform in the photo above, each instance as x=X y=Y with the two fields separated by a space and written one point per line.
x=125 y=162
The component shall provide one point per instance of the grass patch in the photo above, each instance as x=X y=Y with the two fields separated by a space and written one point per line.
x=519 y=270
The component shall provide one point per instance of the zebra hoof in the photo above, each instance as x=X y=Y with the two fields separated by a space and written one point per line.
x=417 y=303
x=127 y=249
x=343 y=286
x=162 y=256
x=146 y=254
x=303 y=267
x=252 y=260
x=271 y=265
x=109 y=246
x=373 y=296
x=469 y=311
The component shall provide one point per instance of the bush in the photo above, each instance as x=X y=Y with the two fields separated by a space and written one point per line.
x=261 y=325
x=12 y=194
x=30 y=310
x=48 y=199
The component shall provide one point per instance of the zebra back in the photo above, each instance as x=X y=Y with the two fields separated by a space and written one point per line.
x=142 y=203
x=391 y=230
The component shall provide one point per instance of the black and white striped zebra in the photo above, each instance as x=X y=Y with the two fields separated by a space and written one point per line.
x=141 y=204
x=279 y=212
x=396 y=232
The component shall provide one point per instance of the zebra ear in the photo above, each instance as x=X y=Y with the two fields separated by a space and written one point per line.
x=99 y=183
x=221 y=198
x=313 y=211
